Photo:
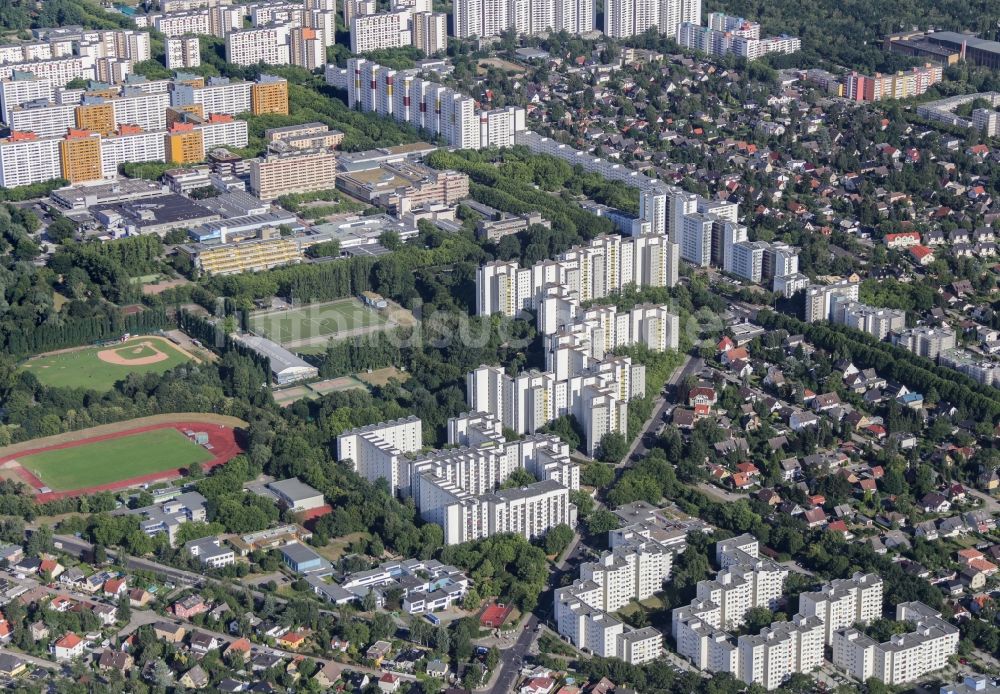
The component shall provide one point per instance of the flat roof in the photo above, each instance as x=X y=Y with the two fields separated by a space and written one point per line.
x=299 y=553
x=294 y=489
x=280 y=357
x=162 y=209
x=968 y=39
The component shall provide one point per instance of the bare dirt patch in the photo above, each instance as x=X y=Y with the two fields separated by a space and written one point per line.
x=119 y=356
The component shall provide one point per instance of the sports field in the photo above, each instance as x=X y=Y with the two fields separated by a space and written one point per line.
x=99 y=368
x=102 y=462
x=315 y=323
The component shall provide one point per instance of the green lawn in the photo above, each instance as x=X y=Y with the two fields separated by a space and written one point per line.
x=103 y=462
x=83 y=369
x=316 y=320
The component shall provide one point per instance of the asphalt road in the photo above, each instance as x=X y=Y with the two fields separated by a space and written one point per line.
x=512 y=659
x=668 y=398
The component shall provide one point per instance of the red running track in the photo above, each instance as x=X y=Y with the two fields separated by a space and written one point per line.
x=223 y=440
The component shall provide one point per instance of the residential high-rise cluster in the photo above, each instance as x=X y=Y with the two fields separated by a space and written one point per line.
x=605 y=265
x=407 y=97
x=63 y=54
x=725 y=34
x=624 y=18
x=596 y=392
x=85 y=134
x=484 y=18
x=903 y=658
x=926 y=341
x=900 y=85
x=407 y=23
x=583 y=610
x=639 y=562
x=574 y=335
x=838 y=303
x=703 y=232
x=747 y=581
x=458 y=487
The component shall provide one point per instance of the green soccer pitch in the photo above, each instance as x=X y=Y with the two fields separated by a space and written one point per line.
x=112 y=460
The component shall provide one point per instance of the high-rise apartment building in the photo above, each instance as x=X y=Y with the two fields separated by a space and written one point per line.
x=268 y=45
x=844 y=602
x=372 y=32
x=24 y=87
x=429 y=105
x=484 y=18
x=746 y=581
x=926 y=341
x=43 y=118
x=458 y=488
x=819 y=298
x=624 y=18
x=269 y=94
x=218 y=95
x=293 y=172
x=181 y=23
x=905 y=657
x=80 y=156
x=307 y=47
x=96 y=114
x=25 y=159
x=184 y=144
x=430 y=32
x=358 y=8
x=182 y=52
x=131 y=144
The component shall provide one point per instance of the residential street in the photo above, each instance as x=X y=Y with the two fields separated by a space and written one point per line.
x=667 y=398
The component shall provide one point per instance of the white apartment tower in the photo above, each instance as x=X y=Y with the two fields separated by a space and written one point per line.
x=624 y=18
x=182 y=52
x=484 y=18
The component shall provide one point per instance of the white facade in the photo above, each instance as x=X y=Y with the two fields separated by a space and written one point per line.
x=905 y=657
x=135 y=107
x=605 y=265
x=181 y=23
x=819 y=298
x=16 y=92
x=139 y=147
x=23 y=162
x=372 y=32
x=484 y=18
x=624 y=18
x=747 y=581
x=427 y=105
x=265 y=45
x=457 y=488
x=43 y=119
x=219 y=95
x=844 y=602
x=182 y=52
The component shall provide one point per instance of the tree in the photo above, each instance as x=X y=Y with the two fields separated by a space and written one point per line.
x=369 y=602
x=557 y=539
x=473 y=676
x=601 y=522
x=756 y=618
x=597 y=475
x=124 y=610
x=613 y=447
x=390 y=239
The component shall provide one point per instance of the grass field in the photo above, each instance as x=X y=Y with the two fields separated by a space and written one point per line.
x=104 y=462
x=299 y=325
x=84 y=369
